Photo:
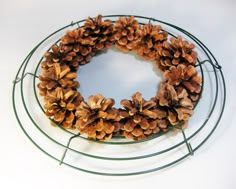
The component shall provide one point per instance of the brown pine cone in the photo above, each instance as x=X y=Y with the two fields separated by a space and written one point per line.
x=63 y=55
x=150 y=41
x=186 y=76
x=177 y=51
x=97 y=118
x=57 y=75
x=126 y=33
x=176 y=102
x=141 y=118
x=60 y=105
x=82 y=45
x=99 y=30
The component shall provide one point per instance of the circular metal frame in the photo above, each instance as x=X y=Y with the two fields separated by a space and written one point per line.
x=218 y=79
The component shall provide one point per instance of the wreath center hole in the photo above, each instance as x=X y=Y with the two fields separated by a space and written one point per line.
x=118 y=75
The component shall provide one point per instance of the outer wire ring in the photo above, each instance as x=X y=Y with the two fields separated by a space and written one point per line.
x=203 y=47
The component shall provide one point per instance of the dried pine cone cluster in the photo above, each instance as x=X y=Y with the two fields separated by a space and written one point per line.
x=139 y=118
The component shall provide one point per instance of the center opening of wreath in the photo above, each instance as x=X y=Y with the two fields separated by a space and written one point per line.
x=118 y=75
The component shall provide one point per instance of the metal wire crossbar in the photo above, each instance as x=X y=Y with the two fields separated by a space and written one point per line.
x=19 y=100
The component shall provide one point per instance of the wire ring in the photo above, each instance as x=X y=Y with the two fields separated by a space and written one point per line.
x=219 y=79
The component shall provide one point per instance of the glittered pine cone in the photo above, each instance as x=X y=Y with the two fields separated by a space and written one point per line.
x=97 y=118
x=177 y=51
x=100 y=30
x=60 y=105
x=176 y=101
x=126 y=33
x=186 y=76
x=78 y=42
x=150 y=41
x=141 y=118
x=57 y=75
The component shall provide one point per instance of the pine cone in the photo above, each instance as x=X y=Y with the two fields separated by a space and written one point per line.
x=126 y=33
x=60 y=105
x=63 y=55
x=57 y=75
x=82 y=45
x=176 y=101
x=150 y=41
x=141 y=118
x=186 y=76
x=101 y=31
x=175 y=52
x=97 y=118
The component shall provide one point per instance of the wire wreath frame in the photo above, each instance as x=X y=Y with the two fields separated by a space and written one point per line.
x=65 y=154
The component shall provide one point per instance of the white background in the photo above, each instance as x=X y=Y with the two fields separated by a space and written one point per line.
x=24 y=23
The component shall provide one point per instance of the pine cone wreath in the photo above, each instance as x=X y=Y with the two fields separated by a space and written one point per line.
x=97 y=118
x=176 y=102
x=150 y=41
x=141 y=118
x=177 y=51
x=57 y=75
x=60 y=105
x=101 y=31
x=82 y=45
x=126 y=33
x=186 y=76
